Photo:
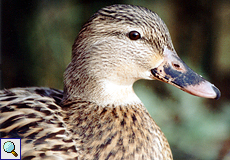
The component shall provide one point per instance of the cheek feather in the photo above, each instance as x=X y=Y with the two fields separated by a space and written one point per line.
x=156 y=60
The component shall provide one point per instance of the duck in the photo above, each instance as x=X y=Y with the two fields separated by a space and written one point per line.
x=98 y=115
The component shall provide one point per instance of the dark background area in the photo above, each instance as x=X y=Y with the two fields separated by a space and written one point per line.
x=36 y=41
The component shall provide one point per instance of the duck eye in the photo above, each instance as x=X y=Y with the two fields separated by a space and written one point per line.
x=134 y=35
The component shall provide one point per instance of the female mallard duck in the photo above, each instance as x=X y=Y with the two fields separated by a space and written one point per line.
x=98 y=116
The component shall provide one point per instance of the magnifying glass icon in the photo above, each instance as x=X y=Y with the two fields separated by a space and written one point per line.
x=9 y=147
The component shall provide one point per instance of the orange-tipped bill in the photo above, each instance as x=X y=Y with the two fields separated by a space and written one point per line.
x=174 y=71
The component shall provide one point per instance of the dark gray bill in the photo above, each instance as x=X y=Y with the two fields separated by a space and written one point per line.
x=174 y=71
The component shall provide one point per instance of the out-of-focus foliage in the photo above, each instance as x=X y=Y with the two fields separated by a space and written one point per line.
x=36 y=47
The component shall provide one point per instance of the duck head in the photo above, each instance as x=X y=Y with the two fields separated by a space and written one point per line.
x=119 y=45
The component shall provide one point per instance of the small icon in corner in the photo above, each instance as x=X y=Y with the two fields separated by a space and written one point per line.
x=9 y=147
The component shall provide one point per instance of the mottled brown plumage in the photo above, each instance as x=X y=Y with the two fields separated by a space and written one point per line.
x=98 y=116
x=116 y=132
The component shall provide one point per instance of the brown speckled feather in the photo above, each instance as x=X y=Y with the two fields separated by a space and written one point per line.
x=116 y=132
x=119 y=132
x=35 y=116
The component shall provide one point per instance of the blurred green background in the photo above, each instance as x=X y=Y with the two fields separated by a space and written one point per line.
x=36 y=41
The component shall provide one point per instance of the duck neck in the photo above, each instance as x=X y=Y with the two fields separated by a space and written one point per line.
x=108 y=92
x=103 y=91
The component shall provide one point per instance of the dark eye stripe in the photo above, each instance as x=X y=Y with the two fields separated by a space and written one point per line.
x=134 y=35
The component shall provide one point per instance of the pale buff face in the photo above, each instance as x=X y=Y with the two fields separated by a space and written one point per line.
x=106 y=45
x=106 y=61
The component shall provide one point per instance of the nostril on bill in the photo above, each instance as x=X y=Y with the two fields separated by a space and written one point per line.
x=175 y=65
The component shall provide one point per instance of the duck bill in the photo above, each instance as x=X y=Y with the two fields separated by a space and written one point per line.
x=175 y=72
